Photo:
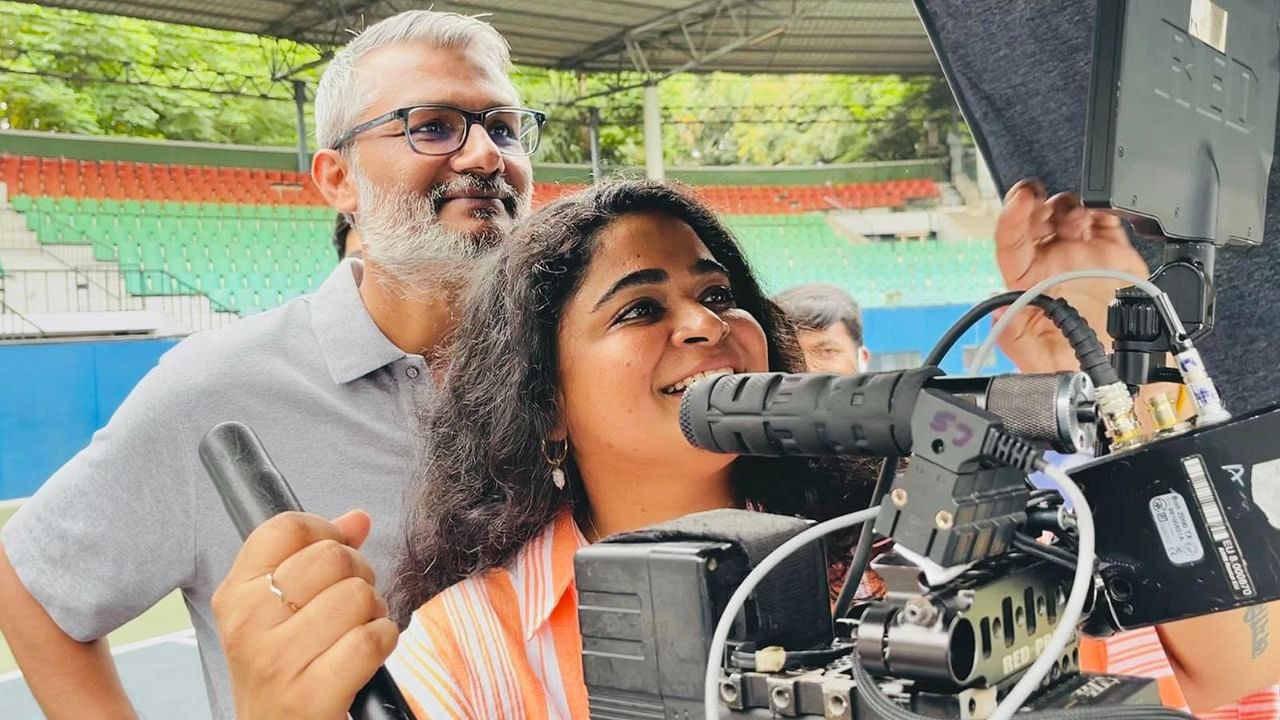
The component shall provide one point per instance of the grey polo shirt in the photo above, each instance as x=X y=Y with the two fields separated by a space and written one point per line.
x=134 y=516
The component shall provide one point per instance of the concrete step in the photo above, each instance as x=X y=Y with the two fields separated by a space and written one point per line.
x=36 y=258
x=72 y=255
x=14 y=232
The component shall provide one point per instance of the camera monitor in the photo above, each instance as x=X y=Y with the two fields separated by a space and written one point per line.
x=1181 y=122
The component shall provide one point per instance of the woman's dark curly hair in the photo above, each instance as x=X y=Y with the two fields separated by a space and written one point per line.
x=485 y=486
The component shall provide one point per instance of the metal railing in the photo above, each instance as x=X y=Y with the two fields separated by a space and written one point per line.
x=158 y=302
x=16 y=326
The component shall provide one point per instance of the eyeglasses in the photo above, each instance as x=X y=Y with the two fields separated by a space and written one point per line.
x=442 y=129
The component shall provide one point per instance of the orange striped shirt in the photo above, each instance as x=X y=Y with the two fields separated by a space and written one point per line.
x=505 y=644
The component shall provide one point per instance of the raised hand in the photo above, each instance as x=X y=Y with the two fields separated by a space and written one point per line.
x=1038 y=237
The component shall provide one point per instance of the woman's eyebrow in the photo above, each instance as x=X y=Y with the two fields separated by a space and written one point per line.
x=707 y=266
x=648 y=276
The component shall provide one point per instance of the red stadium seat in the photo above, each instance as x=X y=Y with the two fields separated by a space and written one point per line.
x=25 y=175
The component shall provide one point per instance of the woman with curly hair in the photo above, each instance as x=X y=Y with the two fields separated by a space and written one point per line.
x=556 y=424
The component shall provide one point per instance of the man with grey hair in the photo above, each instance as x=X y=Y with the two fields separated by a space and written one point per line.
x=425 y=149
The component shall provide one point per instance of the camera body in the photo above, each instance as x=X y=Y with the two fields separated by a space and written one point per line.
x=648 y=603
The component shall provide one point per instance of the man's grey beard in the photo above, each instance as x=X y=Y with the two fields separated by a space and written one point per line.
x=401 y=231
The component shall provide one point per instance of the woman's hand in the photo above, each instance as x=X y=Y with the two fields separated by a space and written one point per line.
x=306 y=651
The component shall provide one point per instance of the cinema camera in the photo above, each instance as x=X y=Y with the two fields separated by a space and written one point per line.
x=989 y=578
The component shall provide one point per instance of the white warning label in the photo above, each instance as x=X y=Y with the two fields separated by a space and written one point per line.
x=1177 y=529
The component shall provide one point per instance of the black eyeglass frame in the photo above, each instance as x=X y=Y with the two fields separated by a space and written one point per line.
x=472 y=118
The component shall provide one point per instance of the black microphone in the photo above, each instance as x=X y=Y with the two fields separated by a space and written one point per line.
x=253 y=490
x=870 y=414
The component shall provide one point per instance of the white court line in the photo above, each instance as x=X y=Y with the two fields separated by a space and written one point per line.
x=15 y=502
x=183 y=637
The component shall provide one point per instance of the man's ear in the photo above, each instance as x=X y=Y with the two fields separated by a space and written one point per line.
x=331 y=172
x=864 y=359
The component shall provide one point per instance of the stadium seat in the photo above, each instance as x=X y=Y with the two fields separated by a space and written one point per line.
x=228 y=233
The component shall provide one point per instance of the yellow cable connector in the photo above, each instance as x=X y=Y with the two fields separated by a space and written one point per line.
x=1164 y=416
x=1115 y=405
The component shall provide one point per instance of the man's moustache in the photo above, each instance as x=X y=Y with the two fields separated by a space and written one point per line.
x=497 y=187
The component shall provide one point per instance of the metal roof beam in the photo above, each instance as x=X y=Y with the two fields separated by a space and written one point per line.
x=94 y=69
x=736 y=24
x=342 y=14
x=697 y=13
x=659 y=33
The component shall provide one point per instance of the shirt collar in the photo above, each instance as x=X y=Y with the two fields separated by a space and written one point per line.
x=558 y=543
x=352 y=345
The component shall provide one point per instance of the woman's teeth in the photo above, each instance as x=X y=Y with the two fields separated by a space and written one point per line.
x=685 y=383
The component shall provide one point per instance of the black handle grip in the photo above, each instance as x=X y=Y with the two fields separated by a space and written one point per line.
x=253 y=490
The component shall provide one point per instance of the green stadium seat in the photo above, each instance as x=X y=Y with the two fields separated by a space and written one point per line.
x=105 y=249
x=151 y=256
x=175 y=253
x=130 y=254
x=224 y=299
x=209 y=281
x=93 y=234
x=278 y=280
x=185 y=283
x=221 y=261
x=256 y=281
x=235 y=280
x=133 y=280
x=22 y=203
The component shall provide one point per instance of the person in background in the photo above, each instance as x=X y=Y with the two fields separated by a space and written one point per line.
x=828 y=326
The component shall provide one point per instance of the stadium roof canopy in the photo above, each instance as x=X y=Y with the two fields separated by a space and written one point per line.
x=654 y=37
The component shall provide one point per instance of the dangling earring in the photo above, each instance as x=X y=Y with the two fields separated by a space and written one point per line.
x=557 y=462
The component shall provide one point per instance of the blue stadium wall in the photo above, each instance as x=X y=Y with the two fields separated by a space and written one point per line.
x=55 y=395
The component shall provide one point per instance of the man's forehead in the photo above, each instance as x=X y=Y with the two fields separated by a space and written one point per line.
x=405 y=74
x=833 y=335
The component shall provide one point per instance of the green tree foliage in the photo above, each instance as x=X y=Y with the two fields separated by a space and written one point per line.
x=70 y=44
x=708 y=119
